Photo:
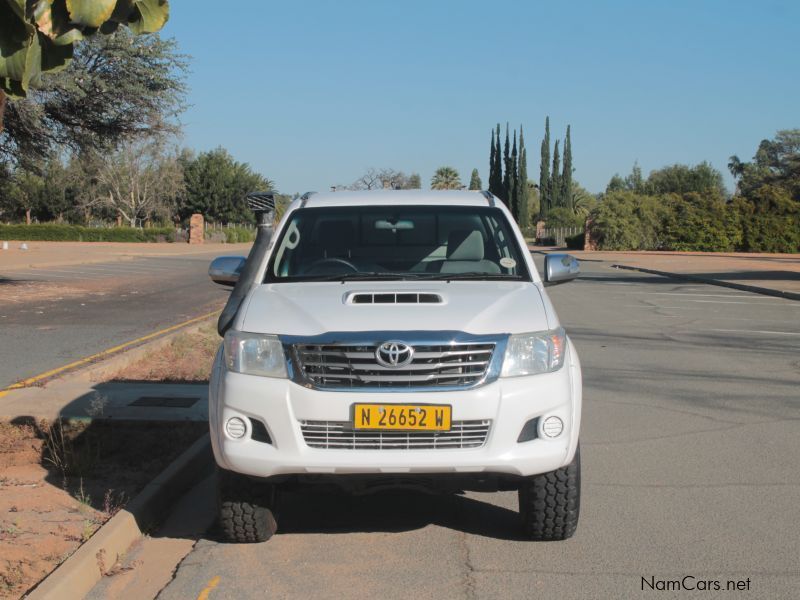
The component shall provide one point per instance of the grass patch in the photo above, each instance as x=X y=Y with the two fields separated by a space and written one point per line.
x=186 y=358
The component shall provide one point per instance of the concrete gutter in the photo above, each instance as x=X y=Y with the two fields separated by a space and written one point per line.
x=77 y=575
x=718 y=282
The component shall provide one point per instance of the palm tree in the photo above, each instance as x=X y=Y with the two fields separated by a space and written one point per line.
x=446 y=178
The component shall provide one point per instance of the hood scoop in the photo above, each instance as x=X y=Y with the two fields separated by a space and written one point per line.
x=393 y=298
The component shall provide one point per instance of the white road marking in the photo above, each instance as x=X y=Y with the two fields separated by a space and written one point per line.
x=725 y=302
x=757 y=331
x=708 y=295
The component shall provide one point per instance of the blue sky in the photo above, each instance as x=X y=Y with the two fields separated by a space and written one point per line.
x=311 y=94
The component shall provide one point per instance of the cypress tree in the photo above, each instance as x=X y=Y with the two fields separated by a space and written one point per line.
x=506 y=197
x=544 y=173
x=523 y=218
x=496 y=173
x=566 y=177
x=512 y=180
x=555 y=179
x=491 y=166
x=475 y=182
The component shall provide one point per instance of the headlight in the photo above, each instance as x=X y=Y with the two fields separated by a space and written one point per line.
x=532 y=353
x=254 y=354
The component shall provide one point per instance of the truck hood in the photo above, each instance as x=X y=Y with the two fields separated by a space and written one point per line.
x=314 y=308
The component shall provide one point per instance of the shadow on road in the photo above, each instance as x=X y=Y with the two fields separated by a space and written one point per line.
x=332 y=512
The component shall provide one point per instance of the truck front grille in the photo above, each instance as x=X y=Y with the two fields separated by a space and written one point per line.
x=340 y=435
x=457 y=365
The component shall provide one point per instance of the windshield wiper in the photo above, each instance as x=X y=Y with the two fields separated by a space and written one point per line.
x=367 y=275
x=474 y=275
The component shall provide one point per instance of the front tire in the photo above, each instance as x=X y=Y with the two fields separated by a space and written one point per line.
x=549 y=504
x=245 y=508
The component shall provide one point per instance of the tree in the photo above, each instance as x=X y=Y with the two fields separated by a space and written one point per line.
x=634 y=182
x=544 y=172
x=26 y=193
x=505 y=196
x=566 y=177
x=682 y=179
x=475 y=182
x=492 y=176
x=555 y=179
x=615 y=184
x=583 y=202
x=496 y=187
x=523 y=194
x=141 y=181
x=38 y=37
x=216 y=186
x=376 y=179
x=776 y=162
x=446 y=178
x=414 y=182
x=117 y=87
x=512 y=179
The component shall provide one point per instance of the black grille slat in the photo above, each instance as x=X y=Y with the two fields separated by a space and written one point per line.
x=395 y=298
x=340 y=435
x=355 y=366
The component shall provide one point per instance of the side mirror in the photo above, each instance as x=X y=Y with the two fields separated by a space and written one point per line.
x=225 y=270
x=560 y=268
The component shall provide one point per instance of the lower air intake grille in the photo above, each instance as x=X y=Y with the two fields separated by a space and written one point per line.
x=339 y=435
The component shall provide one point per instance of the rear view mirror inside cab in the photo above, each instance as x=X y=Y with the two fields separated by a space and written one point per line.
x=394 y=225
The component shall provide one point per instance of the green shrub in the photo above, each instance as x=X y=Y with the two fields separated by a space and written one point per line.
x=77 y=233
x=563 y=217
x=770 y=220
x=238 y=235
x=628 y=221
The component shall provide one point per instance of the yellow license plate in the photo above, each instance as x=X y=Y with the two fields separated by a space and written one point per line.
x=406 y=417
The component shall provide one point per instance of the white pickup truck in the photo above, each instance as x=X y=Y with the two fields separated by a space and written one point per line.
x=394 y=338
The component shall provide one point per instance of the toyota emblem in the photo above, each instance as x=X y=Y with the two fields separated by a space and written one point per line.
x=394 y=355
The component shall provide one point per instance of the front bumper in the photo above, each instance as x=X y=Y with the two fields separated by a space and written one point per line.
x=281 y=404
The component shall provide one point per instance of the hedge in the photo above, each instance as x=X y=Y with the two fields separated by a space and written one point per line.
x=78 y=233
x=576 y=242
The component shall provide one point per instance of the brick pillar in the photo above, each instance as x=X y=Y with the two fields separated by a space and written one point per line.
x=540 y=230
x=196 y=229
x=589 y=244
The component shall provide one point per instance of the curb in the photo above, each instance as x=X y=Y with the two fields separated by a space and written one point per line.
x=728 y=284
x=77 y=575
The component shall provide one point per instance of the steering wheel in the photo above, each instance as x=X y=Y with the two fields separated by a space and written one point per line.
x=332 y=261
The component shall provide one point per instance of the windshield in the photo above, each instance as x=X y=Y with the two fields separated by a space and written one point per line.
x=396 y=242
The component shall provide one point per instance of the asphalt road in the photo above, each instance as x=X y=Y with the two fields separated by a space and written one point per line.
x=132 y=298
x=690 y=445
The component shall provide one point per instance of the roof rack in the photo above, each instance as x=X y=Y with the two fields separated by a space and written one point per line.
x=304 y=198
x=489 y=196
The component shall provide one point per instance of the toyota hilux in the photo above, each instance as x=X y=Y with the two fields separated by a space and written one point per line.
x=392 y=338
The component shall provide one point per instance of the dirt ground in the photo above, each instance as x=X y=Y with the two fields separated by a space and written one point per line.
x=25 y=292
x=47 y=254
x=59 y=484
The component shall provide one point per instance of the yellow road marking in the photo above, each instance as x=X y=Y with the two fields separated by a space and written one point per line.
x=105 y=353
x=207 y=590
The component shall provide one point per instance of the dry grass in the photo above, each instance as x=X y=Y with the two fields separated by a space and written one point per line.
x=187 y=358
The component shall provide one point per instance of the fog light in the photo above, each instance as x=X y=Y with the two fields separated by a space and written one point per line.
x=235 y=428
x=552 y=427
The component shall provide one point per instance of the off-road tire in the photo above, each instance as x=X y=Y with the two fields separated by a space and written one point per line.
x=549 y=504
x=245 y=508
